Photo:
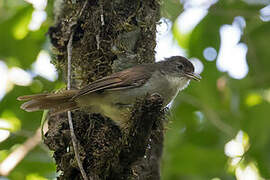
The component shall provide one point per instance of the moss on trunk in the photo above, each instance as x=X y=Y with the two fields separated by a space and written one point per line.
x=108 y=36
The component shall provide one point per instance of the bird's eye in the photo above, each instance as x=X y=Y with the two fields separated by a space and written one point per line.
x=180 y=66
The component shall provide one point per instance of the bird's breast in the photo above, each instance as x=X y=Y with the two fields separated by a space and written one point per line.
x=171 y=88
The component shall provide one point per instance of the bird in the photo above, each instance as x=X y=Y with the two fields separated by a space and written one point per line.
x=113 y=95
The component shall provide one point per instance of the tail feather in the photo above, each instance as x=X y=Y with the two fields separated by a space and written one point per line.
x=57 y=103
x=29 y=97
x=65 y=107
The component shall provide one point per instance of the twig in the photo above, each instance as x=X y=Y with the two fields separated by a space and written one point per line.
x=98 y=42
x=19 y=153
x=69 y=57
x=81 y=11
x=78 y=15
x=101 y=14
x=72 y=134
x=212 y=116
x=69 y=54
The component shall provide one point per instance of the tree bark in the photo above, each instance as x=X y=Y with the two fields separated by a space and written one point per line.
x=108 y=36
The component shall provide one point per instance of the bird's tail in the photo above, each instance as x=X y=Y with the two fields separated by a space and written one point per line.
x=57 y=103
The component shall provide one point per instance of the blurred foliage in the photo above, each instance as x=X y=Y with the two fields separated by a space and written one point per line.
x=205 y=116
x=19 y=48
x=171 y=9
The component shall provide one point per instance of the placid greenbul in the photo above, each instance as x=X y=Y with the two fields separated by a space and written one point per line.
x=112 y=95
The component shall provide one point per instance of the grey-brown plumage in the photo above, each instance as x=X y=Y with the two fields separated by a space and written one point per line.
x=113 y=95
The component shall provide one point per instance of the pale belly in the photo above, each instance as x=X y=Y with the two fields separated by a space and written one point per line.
x=117 y=104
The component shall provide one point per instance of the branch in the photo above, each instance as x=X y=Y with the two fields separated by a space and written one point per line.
x=72 y=134
x=211 y=115
x=19 y=153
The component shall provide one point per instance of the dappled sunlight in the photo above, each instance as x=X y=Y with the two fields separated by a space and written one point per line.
x=31 y=20
x=39 y=14
x=265 y=13
x=14 y=75
x=256 y=2
x=232 y=54
x=38 y=4
x=43 y=66
x=197 y=64
x=190 y=18
x=235 y=160
x=237 y=146
x=266 y=95
x=198 y=3
x=19 y=77
x=199 y=116
x=249 y=172
x=20 y=30
x=253 y=99
x=4 y=132
x=194 y=12
x=34 y=176
x=166 y=45
x=38 y=17
x=210 y=53
x=9 y=117
x=215 y=178
x=3 y=78
x=235 y=150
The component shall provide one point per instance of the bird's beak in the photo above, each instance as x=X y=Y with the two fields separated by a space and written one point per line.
x=193 y=75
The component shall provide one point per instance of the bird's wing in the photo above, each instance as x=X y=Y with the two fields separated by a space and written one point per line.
x=129 y=78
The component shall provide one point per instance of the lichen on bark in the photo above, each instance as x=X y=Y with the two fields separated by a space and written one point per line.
x=108 y=36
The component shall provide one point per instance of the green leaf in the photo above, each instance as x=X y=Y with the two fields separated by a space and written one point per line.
x=43 y=121
x=19 y=46
x=171 y=9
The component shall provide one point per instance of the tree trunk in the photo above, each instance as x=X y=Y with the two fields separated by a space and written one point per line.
x=108 y=36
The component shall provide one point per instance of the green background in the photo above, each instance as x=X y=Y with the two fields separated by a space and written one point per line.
x=205 y=117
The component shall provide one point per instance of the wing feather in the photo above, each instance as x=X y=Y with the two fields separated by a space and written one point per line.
x=129 y=78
